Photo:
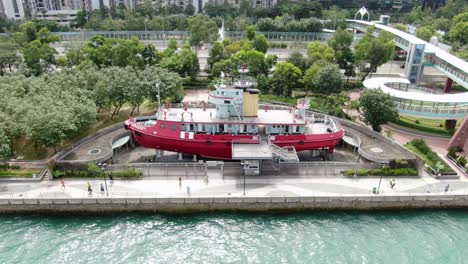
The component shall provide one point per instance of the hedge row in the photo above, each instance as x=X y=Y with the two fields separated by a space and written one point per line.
x=7 y=166
x=130 y=173
x=19 y=173
x=433 y=130
x=383 y=172
x=427 y=154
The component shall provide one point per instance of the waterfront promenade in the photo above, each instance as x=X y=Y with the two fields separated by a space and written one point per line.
x=259 y=186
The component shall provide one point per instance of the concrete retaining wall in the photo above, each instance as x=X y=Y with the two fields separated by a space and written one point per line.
x=199 y=204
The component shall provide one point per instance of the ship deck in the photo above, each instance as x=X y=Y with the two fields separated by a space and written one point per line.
x=198 y=115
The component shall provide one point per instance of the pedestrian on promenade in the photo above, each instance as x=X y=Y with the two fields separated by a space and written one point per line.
x=180 y=181
x=111 y=178
x=188 y=191
x=447 y=188
x=102 y=189
x=90 y=191
x=206 y=179
x=355 y=176
x=62 y=184
x=392 y=183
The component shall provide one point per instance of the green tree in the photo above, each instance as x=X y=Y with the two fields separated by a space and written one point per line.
x=263 y=84
x=425 y=33
x=377 y=108
x=328 y=79
x=374 y=51
x=459 y=33
x=317 y=51
x=254 y=59
x=216 y=54
x=260 y=43
x=344 y=57
x=8 y=55
x=38 y=56
x=189 y=10
x=202 y=30
x=250 y=32
x=189 y=62
x=309 y=76
x=285 y=78
x=298 y=60
x=5 y=150
x=336 y=103
x=400 y=27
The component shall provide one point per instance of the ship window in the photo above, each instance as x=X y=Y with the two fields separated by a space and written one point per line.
x=191 y=127
x=227 y=102
x=163 y=125
x=174 y=127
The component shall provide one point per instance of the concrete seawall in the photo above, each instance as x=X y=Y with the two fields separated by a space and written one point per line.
x=205 y=204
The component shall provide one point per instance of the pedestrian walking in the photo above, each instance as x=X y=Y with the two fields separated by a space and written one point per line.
x=90 y=190
x=111 y=178
x=188 y=191
x=392 y=183
x=447 y=188
x=355 y=176
x=206 y=179
x=102 y=189
x=62 y=184
x=180 y=181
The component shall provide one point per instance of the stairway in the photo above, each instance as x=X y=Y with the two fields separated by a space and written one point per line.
x=284 y=154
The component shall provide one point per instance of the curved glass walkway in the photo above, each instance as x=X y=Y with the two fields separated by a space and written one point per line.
x=417 y=101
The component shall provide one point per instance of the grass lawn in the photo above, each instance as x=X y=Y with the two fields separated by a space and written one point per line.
x=435 y=123
x=429 y=126
x=429 y=162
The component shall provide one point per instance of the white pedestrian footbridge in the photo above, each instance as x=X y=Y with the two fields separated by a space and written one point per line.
x=420 y=54
x=417 y=101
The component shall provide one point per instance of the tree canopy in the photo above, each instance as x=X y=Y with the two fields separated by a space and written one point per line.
x=377 y=108
x=374 y=51
x=285 y=78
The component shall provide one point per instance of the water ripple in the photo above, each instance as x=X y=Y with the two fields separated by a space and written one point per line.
x=404 y=237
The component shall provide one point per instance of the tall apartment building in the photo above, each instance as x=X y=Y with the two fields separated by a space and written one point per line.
x=433 y=4
x=62 y=11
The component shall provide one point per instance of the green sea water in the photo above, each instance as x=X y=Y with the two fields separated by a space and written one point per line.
x=397 y=237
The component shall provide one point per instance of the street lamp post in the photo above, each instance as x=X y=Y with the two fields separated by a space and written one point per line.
x=380 y=181
x=244 y=183
x=103 y=167
x=146 y=33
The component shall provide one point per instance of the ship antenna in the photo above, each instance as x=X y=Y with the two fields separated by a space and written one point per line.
x=222 y=78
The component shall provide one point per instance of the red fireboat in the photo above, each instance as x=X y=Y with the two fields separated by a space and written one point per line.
x=234 y=126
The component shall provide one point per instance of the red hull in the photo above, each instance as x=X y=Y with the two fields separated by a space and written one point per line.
x=220 y=146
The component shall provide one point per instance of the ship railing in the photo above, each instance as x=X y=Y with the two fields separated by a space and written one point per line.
x=199 y=105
